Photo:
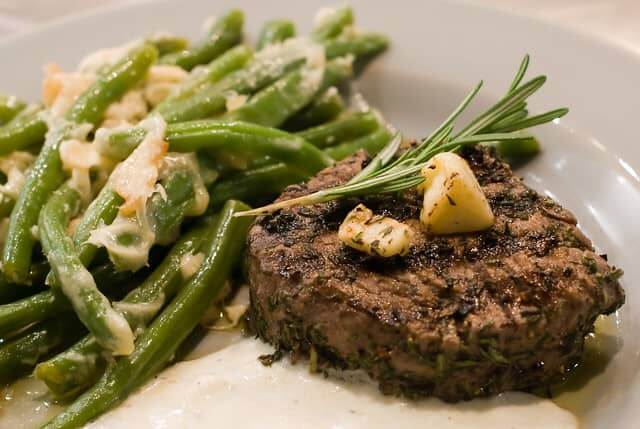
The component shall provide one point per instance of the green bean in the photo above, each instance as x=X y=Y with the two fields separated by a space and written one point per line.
x=215 y=136
x=51 y=302
x=102 y=211
x=364 y=47
x=372 y=143
x=19 y=356
x=518 y=152
x=160 y=340
x=66 y=375
x=19 y=314
x=46 y=175
x=230 y=61
x=6 y=205
x=246 y=137
x=224 y=34
x=10 y=292
x=263 y=71
x=258 y=184
x=22 y=132
x=168 y=211
x=348 y=127
x=333 y=23
x=323 y=109
x=165 y=213
x=42 y=179
x=168 y=43
x=118 y=144
x=275 y=104
x=255 y=185
x=10 y=106
x=74 y=280
x=211 y=100
x=337 y=71
x=276 y=31
x=110 y=87
x=167 y=217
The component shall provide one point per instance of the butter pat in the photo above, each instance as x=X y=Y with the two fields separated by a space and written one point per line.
x=375 y=235
x=453 y=200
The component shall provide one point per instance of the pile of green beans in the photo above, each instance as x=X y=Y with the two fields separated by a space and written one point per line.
x=10 y=106
x=93 y=323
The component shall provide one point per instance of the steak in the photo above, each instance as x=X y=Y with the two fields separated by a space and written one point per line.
x=460 y=316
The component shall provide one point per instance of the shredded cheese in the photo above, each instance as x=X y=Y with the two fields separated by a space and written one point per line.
x=132 y=255
x=14 y=166
x=97 y=60
x=134 y=179
x=60 y=89
x=375 y=235
x=81 y=182
x=323 y=16
x=235 y=101
x=161 y=81
x=208 y=23
x=130 y=109
x=78 y=157
x=79 y=154
x=274 y=57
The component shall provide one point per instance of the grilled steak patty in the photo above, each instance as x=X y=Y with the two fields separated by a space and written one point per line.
x=460 y=316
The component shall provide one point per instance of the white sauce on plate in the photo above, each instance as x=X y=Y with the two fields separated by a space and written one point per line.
x=221 y=378
x=231 y=388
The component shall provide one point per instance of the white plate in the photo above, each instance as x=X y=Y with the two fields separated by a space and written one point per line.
x=440 y=49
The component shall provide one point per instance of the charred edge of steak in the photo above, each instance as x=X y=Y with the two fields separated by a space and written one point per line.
x=459 y=317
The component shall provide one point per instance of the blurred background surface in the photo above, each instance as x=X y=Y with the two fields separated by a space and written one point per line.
x=616 y=20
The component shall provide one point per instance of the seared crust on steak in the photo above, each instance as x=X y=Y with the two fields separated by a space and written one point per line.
x=461 y=316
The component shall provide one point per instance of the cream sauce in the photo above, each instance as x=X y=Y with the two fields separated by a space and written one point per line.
x=222 y=375
x=219 y=386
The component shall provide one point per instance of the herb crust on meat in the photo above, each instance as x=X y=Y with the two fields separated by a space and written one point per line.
x=460 y=316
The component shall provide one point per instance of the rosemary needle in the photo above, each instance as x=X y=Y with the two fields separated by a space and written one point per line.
x=505 y=121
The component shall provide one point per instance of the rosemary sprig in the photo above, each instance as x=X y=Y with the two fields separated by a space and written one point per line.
x=506 y=120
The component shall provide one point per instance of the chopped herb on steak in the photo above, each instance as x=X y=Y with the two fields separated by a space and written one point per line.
x=460 y=316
